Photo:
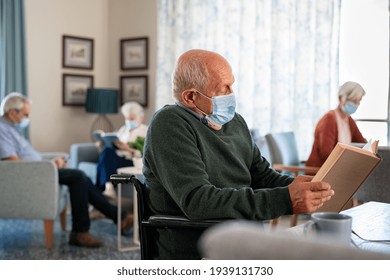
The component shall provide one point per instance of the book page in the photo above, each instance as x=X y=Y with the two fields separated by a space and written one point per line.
x=368 y=146
x=375 y=146
x=371 y=146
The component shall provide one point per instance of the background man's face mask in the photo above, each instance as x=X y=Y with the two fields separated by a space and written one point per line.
x=23 y=123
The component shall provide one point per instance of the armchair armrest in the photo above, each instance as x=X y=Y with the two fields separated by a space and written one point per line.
x=53 y=155
x=295 y=169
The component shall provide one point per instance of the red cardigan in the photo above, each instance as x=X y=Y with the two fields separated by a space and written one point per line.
x=326 y=138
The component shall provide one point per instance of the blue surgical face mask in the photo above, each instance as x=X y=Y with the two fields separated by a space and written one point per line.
x=349 y=108
x=23 y=123
x=131 y=124
x=224 y=108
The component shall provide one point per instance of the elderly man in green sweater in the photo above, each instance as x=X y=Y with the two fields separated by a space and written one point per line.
x=201 y=162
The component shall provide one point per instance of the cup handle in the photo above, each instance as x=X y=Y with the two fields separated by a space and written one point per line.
x=307 y=226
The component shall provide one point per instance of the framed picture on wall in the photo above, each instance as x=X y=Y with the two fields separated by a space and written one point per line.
x=134 y=53
x=77 y=52
x=134 y=88
x=74 y=89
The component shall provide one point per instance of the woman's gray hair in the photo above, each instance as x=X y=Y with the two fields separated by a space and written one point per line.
x=189 y=72
x=14 y=100
x=132 y=108
x=351 y=90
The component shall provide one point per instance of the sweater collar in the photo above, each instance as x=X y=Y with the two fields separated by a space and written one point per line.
x=200 y=118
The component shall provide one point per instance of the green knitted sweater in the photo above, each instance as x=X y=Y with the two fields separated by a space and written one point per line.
x=193 y=170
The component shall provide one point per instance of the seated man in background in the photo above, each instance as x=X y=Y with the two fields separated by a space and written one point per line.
x=120 y=153
x=337 y=125
x=200 y=160
x=15 y=110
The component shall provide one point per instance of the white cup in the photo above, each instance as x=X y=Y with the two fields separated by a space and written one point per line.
x=330 y=226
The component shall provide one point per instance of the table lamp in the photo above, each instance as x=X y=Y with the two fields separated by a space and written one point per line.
x=102 y=101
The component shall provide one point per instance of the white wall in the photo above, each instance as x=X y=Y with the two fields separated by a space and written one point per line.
x=55 y=127
x=134 y=18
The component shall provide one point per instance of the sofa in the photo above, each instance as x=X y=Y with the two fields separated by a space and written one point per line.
x=85 y=156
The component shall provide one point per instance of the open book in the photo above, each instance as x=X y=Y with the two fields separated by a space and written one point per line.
x=106 y=138
x=346 y=168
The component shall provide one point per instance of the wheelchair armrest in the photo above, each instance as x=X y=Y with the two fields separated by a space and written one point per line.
x=121 y=178
x=162 y=221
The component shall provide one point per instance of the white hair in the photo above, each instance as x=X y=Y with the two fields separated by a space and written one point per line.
x=190 y=72
x=132 y=108
x=14 y=100
x=351 y=90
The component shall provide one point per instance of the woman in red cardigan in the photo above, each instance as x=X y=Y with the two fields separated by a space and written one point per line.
x=337 y=125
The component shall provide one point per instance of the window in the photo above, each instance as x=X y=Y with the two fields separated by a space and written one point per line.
x=364 y=58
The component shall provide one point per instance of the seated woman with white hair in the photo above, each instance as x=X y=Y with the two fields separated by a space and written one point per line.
x=112 y=158
x=337 y=125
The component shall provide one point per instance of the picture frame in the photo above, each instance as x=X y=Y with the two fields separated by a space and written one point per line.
x=74 y=89
x=77 y=52
x=134 y=88
x=134 y=53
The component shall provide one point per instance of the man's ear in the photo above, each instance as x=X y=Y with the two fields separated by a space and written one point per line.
x=188 y=98
x=12 y=113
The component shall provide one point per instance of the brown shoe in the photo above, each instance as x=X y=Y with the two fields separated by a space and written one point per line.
x=127 y=224
x=84 y=239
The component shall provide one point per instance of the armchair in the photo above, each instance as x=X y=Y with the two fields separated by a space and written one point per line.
x=262 y=144
x=30 y=190
x=284 y=154
x=85 y=156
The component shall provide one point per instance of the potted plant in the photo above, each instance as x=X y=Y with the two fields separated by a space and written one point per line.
x=138 y=145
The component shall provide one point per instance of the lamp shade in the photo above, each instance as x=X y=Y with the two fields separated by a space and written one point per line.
x=102 y=101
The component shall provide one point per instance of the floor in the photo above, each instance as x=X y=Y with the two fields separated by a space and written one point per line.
x=24 y=240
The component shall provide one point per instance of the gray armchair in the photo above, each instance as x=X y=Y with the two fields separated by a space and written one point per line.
x=85 y=156
x=284 y=154
x=30 y=190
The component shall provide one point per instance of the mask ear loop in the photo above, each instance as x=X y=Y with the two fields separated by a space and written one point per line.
x=205 y=115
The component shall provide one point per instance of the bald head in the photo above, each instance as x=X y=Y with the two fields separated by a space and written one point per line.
x=197 y=69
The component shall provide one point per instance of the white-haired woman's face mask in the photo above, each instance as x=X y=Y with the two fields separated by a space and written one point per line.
x=350 y=106
x=133 y=121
